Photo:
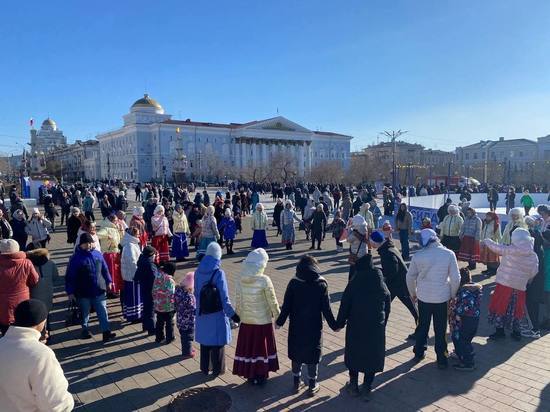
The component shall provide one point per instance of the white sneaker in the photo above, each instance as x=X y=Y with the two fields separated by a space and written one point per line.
x=530 y=334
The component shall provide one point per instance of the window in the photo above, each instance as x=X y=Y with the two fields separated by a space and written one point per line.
x=475 y=155
x=467 y=156
x=483 y=155
x=520 y=154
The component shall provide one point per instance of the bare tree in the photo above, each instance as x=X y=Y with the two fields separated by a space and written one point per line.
x=283 y=168
x=329 y=171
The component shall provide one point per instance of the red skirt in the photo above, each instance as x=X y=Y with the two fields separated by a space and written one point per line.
x=486 y=255
x=113 y=264
x=501 y=299
x=143 y=238
x=160 y=243
x=469 y=249
x=256 y=352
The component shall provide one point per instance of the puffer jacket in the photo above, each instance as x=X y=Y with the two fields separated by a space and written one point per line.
x=17 y=275
x=451 y=225
x=129 y=257
x=433 y=275
x=256 y=303
x=109 y=236
x=519 y=263
x=259 y=220
x=180 y=223
x=471 y=227
x=38 y=229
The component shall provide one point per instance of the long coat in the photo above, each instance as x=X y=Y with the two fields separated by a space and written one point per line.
x=48 y=275
x=394 y=269
x=306 y=301
x=365 y=309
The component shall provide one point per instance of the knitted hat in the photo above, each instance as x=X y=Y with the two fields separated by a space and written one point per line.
x=188 y=281
x=85 y=238
x=30 y=313
x=521 y=235
x=8 y=246
x=427 y=236
x=258 y=257
x=377 y=238
x=214 y=250
x=149 y=251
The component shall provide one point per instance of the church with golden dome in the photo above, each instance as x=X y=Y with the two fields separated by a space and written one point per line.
x=44 y=140
x=151 y=145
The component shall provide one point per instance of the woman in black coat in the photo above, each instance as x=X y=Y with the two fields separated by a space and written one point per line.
x=394 y=271
x=365 y=309
x=306 y=302
x=318 y=224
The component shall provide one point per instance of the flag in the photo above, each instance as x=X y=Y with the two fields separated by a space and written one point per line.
x=31 y=122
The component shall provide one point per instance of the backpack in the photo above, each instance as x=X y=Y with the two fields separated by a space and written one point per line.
x=210 y=301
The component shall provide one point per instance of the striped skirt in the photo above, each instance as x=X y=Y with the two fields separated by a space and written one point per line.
x=132 y=304
x=256 y=352
x=113 y=264
x=469 y=249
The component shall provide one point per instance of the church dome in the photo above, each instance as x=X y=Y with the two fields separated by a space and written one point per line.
x=146 y=101
x=49 y=124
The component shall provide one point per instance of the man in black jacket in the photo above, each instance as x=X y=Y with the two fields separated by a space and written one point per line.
x=395 y=272
x=443 y=210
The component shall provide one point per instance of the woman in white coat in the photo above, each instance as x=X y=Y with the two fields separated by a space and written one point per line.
x=132 y=306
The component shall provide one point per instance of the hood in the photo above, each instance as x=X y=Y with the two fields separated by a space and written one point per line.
x=522 y=241
x=7 y=257
x=128 y=238
x=388 y=244
x=38 y=257
x=208 y=265
x=108 y=223
x=250 y=272
x=307 y=272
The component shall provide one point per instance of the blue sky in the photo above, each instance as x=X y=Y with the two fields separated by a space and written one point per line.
x=450 y=72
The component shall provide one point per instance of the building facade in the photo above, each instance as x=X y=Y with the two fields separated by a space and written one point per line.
x=519 y=153
x=405 y=153
x=153 y=146
x=44 y=140
x=75 y=162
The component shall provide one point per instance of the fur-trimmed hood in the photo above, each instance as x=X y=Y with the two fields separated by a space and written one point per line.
x=39 y=256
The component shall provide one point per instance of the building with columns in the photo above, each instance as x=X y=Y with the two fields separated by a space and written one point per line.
x=44 y=140
x=153 y=146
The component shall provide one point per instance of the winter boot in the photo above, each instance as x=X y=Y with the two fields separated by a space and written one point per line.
x=107 y=336
x=313 y=387
x=498 y=335
x=296 y=384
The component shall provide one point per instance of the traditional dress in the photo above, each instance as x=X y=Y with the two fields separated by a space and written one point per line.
x=259 y=225
x=132 y=305
x=161 y=233
x=288 y=216
x=470 y=234
x=209 y=233
x=450 y=231
x=180 y=249
x=490 y=230
x=109 y=235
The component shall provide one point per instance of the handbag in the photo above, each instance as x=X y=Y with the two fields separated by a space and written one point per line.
x=73 y=316
x=352 y=258
x=210 y=301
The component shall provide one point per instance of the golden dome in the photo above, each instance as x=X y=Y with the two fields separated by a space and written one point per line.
x=48 y=122
x=146 y=101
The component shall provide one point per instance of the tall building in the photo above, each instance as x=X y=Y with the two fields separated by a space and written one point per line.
x=43 y=141
x=150 y=144
x=519 y=153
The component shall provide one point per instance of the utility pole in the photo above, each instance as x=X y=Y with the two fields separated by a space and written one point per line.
x=393 y=135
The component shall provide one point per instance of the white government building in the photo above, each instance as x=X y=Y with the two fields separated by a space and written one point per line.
x=150 y=145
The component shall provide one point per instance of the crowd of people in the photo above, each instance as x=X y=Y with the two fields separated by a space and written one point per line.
x=132 y=259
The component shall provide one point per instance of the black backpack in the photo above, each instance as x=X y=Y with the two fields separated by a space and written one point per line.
x=210 y=301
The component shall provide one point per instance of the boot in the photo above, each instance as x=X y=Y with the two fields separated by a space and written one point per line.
x=107 y=336
x=352 y=388
x=498 y=335
x=296 y=384
x=313 y=387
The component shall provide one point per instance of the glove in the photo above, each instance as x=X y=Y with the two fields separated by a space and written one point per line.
x=235 y=318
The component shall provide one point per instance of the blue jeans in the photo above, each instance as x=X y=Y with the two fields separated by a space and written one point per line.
x=404 y=239
x=100 y=305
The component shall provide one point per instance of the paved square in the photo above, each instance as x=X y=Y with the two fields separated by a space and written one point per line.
x=134 y=373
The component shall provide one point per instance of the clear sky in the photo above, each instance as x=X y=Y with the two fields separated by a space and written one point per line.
x=451 y=72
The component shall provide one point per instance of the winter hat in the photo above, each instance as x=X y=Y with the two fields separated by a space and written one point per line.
x=188 y=281
x=18 y=214
x=214 y=250
x=427 y=236
x=531 y=220
x=159 y=210
x=228 y=212
x=35 y=211
x=521 y=235
x=516 y=211
x=452 y=209
x=386 y=227
x=259 y=206
x=30 y=313
x=75 y=210
x=8 y=246
x=149 y=251
x=85 y=238
x=377 y=238
x=257 y=257
x=138 y=211
x=358 y=223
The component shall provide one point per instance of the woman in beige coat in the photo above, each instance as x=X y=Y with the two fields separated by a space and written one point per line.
x=256 y=305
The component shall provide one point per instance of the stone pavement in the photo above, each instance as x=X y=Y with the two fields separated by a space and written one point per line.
x=134 y=373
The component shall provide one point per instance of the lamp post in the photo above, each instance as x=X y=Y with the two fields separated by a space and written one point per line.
x=393 y=135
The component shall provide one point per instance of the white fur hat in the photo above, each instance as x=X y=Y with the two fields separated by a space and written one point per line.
x=258 y=257
x=521 y=235
x=8 y=246
x=214 y=250
x=452 y=209
x=159 y=210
